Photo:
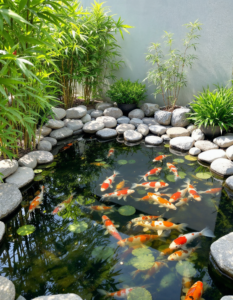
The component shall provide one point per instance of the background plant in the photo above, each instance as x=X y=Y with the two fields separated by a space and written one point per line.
x=168 y=75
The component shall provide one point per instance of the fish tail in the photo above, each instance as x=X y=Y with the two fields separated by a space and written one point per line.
x=102 y=292
x=134 y=185
x=207 y=232
x=142 y=177
x=177 y=177
x=116 y=173
x=134 y=273
x=201 y=192
x=129 y=224
x=182 y=227
x=137 y=199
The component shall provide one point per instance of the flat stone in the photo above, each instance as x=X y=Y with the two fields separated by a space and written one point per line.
x=21 y=177
x=211 y=155
x=106 y=133
x=153 y=140
x=55 y=124
x=109 y=122
x=59 y=297
x=177 y=131
x=102 y=106
x=8 y=167
x=52 y=141
x=227 y=298
x=158 y=129
x=74 y=124
x=132 y=136
x=76 y=112
x=198 y=135
x=149 y=109
x=136 y=122
x=229 y=182
x=93 y=127
x=7 y=289
x=194 y=151
x=20 y=298
x=136 y=113
x=163 y=117
x=205 y=145
x=33 y=158
x=113 y=112
x=44 y=145
x=96 y=113
x=191 y=127
x=123 y=120
x=149 y=121
x=183 y=143
x=143 y=129
x=10 y=198
x=43 y=131
x=224 y=141
x=165 y=137
x=86 y=118
x=222 y=166
x=61 y=133
x=2 y=232
x=124 y=127
x=179 y=118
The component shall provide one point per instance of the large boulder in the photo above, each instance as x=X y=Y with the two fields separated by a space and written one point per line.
x=106 y=133
x=43 y=131
x=179 y=117
x=123 y=120
x=96 y=113
x=149 y=109
x=163 y=117
x=222 y=166
x=10 y=198
x=93 y=126
x=44 y=145
x=103 y=105
x=136 y=122
x=143 y=129
x=73 y=124
x=124 y=127
x=205 y=145
x=136 y=113
x=76 y=112
x=8 y=167
x=157 y=129
x=52 y=141
x=149 y=121
x=198 y=135
x=177 y=131
x=21 y=177
x=2 y=231
x=59 y=113
x=211 y=155
x=224 y=141
x=132 y=136
x=113 y=112
x=61 y=133
x=184 y=143
x=59 y=297
x=7 y=289
x=109 y=122
x=153 y=140
x=194 y=151
x=33 y=158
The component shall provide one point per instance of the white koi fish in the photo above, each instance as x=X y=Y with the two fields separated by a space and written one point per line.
x=111 y=228
x=182 y=254
x=119 y=194
x=150 y=185
x=108 y=182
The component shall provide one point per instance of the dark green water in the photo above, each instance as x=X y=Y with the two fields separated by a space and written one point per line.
x=55 y=260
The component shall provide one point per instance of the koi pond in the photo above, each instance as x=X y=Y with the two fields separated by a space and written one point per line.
x=62 y=247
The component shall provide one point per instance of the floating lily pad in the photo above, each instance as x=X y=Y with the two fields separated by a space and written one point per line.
x=182 y=174
x=142 y=192
x=102 y=253
x=53 y=164
x=122 y=162
x=167 y=280
x=141 y=251
x=78 y=227
x=178 y=160
x=143 y=262
x=204 y=175
x=38 y=178
x=132 y=161
x=171 y=178
x=139 y=294
x=192 y=164
x=167 y=146
x=190 y=157
x=98 y=159
x=26 y=230
x=37 y=171
x=45 y=173
x=152 y=178
x=185 y=268
x=127 y=210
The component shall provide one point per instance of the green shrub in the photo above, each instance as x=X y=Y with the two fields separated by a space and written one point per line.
x=127 y=92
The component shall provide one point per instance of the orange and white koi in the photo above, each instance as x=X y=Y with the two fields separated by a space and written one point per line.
x=176 y=196
x=195 y=292
x=151 y=185
x=211 y=191
x=36 y=201
x=182 y=254
x=154 y=171
x=120 y=185
x=173 y=169
x=110 y=152
x=119 y=194
x=137 y=240
x=145 y=198
x=189 y=237
x=108 y=182
x=192 y=192
x=183 y=201
x=62 y=205
x=100 y=208
x=111 y=228
x=140 y=219
x=157 y=266
x=119 y=294
x=160 y=158
x=162 y=202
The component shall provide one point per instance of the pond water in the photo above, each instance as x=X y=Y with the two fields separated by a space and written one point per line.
x=69 y=252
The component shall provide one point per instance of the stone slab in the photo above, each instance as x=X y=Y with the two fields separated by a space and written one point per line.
x=106 y=133
x=8 y=167
x=132 y=136
x=211 y=155
x=21 y=177
x=205 y=145
x=177 y=131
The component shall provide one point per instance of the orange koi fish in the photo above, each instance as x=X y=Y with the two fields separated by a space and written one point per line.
x=151 y=185
x=145 y=198
x=98 y=164
x=211 y=191
x=173 y=169
x=176 y=196
x=140 y=219
x=100 y=208
x=182 y=202
x=110 y=152
x=154 y=171
x=119 y=294
x=157 y=266
x=119 y=194
x=192 y=192
x=62 y=205
x=162 y=202
x=182 y=254
x=36 y=201
x=108 y=182
x=111 y=228
x=120 y=185
x=166 y=251
x=66 y=146
x=137 y=240
x=160 y=158
x=195 y=292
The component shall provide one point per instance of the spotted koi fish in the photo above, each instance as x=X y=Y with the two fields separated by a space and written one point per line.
x=62 y=205
x=140 y=219
x=160 y=158
x=145 y=198
x=192 y=192
x=111 y=228
x=157 y=266
x=189 y=237
x=162 y=202
x=118 y=295
x=154 y=171
x=151 y=185
x=178 y=195
x=100 y=208
x=36 y=201
x=120 y=185
x=137 y=240
x=173 y=169
x=182 y=202
x=182 y=254
x=212 y=191
x=110 y=152
x=119 y=194
x=195 y=292
x=108 y=182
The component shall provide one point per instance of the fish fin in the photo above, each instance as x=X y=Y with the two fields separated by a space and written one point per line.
x=141 y=215
x=135 y=273
x=106 y=232
x=134 y=185
x=145 y=229
x=156 y=190
x=160 y=206
x=142 y=177
x=124 y=198
x=38 y=207
x=119 y=197
x=129 y=224
x=160 y=219
x=198 y=246
x=102 y=292
x=147 y=188
x=137 y=199
x=160 y=232
x=181 y=227
x=170 y=219
x=207 y=232
x=116 y=173
x=111 y=186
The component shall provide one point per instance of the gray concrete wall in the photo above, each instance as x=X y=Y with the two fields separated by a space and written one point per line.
x=152 y=17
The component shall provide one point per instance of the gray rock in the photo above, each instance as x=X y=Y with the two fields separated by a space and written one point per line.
x=106 y=133
x=229 y=182
x=39 y=138
x=61 y=133
x=149 y=121
x=52 y=141
x=136 y=122
x=89 y=111
x=59 y=113
x=93 y=126
x=109 y=122
x=7 y=289
x=124 y=127
x=224 y=141
x=222 y=166
x=86 y=118
x=2 y=232
x=132 y=136
x=76 y=112
x=163 y=117
x=113 y=112
x=198 y=135
x=229 y=153
x=20 y=298
x=136 y=113
x=211 y=155
x=21 y=177
x=74 y=124
x=83 y=106
x=153 y=140
x=227 y=298
x=191 y=127
x=96 y=113
x=10 y=198
x=194 y=151
x=123 y=120
x=8 y=167
x=33 y=158
x=165 y=137
x=157 y=129
x=183 y=143
x=102 y=106
x=143 y=129
x=43 y=131
x=179 y=118
x=59 y=297
x=79 y=131
x=177 y=131
x=205 y=145
x=44 y=145
x=55 y=124
x=149 y=109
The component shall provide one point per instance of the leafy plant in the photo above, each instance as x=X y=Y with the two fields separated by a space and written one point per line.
x=168 y=75
x=126 y=92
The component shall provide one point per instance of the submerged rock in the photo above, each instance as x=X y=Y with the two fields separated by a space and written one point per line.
x=2 y=231
x=222 y=166
x=143 y=129
x=194 y=151
x=205 y=145
x=10 y=198
x=158 y=129
x=44 y=145
x=184 y=143
x=8 y=167
x=227 y=298
x=76 y=112
x=124 y=127
x=113 y=112
x=198 y=135
x=229 y=182
x=132 y=136
x=61 y=133
x=153 y=140
x=136 y=113
x=211 y=155
x=7 y=289
x=93 y=126
x=109 y=122
x=20 y=298
x=149 y=109
x=59 y=297
x=179 y=117
x=106 y=133
x=21 y=177
x=224 y=141
x=163 y=117
x=177 y=131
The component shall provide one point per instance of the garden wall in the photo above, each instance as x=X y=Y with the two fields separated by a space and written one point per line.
x=152 y=17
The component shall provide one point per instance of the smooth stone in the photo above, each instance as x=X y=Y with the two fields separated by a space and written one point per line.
x=55 y=124
x=194 y=151
x=136 y=113
x=102 y=106
x=106 y=133
x=136 y=122
x=8 y=167
x=43 y=131
x=123 y=120
x=59 y=297
x=20 y=298
x=76 y=112
x=143 y=129
x=165 y=137
x=52 y=141
x=109 y=122
x=158 y=129
x=229 y=153
x=153 y=140
x=113 y=112
x=205 y=145
x=38 y=138
x=163 y=117
x=179 y=118
x=96 y=113
x=124 y=127
x=21 y=177
x=227 y=298
x=198 y=135
x=93 y=126
x=224 y=141
x=83 y=106
x=59 y=113
x=177 y=131
x=61 y=133
x=191 y=127
x=44 y=145
x=149 y=121
x=211 y=155
x=74 y=124
x=222 y=166
x=86 y=118
x=149 y=109
x=2 y=232
x=184 y=143
x=229 y=182
x=10 y=198
x=7 y=289
x=132 y=136
x=35 y=157
x=89 y=111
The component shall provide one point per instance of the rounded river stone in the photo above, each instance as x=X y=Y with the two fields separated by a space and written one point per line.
x=10 y=198
x=7 y=289
x=132 y=136
x=21 y=177
x=106 y=133
x=93 y=126
x=8 y=167
x=109 y=122
x=153 y=140
x=61 y=133
x=124 y=127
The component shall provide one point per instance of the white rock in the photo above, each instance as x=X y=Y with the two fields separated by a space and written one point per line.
x=35 y=157
x=177 y=131
x=123 y=120
x=76 y=112
x=227 y=298
x=86 y=118
x=44 y=145
x=136 y=122
x=183 y=143
x=153 y=140
x=10 y=198
x=96 y=113
x=222 y=166
x=149 y=109
x=229 y=182
x=7 y=289
x=20 y=298
x=179 y=118
x=106 y=133
x=132 y=136
x=149 y=121
x=124 y=127
x=163 y=117
x=43 y=131
x=21 y=177
x=158 y=129
x=8 y=167
x=74 y=124
x=224 y=141
x=113 y=112
x=194 y=151
x=198 y=135
x=165 y=137
x=2 y=232
x=205 y=145
x=229 y=153
x=59 y=113
x=191 y=127
x=136 y=113
x=59 y=297
x=143 y=129
x=109 y=122
x=55 y=124
x=79 y=131
x=211 y=155
x=102 y=106
x=61 y=133
x=93 y=126
x=52 y=141
x=89 y=111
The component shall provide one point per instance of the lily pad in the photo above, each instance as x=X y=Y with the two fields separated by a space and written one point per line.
x=132 y=161
x=127 y=210
x=45 y=173
x=204 y=175
x=78 y=227
x=142 y=192
x=99 y=159
x=182 y=174
x=170 y=178
x=26 y=230
x=139 y=294
x=152 y=178
x=37 y=171
x=190 y=157
x=167 y=280
x=178 y=160
x=167 y=146
x=38 y=178
x=53 y=164
x=185 y=268
x=102 y=253
x=141 y=251
x=122 y=162
x=143 y=262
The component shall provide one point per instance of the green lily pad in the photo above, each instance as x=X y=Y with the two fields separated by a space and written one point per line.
x=127 y=210
x=99 y=159
x=132 y=161
x=167 y=146
x=167 y=280
x=170 y=178
x=142 y=192
x=45 y=173
x=141 y=251
x=38 y=178
x=160 y=153
x=178 y=160
x=84 y=200
x=78 y=227
x=153 y=178
x=102 y=253
x=53 y=164
x=143 y=262
x=182 y=174
x=185 y=268
x=192 y=164
x=122 y=162
x=139 y=293
x=37 y=171
x=26 y=230
x=190 y=157
x=204 y=175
